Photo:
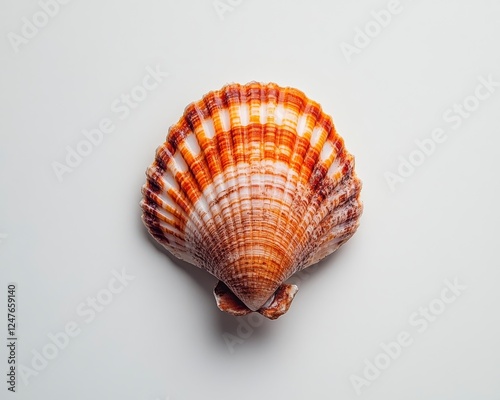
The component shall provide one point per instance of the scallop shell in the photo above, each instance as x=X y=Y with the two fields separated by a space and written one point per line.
x=253 y=184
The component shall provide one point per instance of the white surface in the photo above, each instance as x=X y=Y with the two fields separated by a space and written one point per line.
x=162 y=336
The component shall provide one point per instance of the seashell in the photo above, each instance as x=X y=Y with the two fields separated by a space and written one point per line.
x=253 y=184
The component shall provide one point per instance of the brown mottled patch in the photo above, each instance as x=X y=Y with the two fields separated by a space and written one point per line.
x=163 y=155
x=192 y=117
x=177 y=134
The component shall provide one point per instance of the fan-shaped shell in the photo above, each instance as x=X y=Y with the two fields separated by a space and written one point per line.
x=252 y=184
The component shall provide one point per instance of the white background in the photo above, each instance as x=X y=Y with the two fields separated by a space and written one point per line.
x=163 y=337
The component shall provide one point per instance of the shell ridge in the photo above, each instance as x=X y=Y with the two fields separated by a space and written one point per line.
x=297 y=212
x=224 y=141
x=158 y=210
x=195 y=168
x=154 y=185
x=243 y=115
x=269 y=151
x=245 y=257
x=148 y=218
x=254 y=138
x=309 y=157
x=313 y=203
x=335 y=200
x=303 y=193
x=220 y=204
x=278 y=181
x=215 y=203
x=285 y=217
x=347 y=223
x=232 y=102
x=237 y=135
x=207 y=201
x=195 y=235
x=341 y=206
x=156 y=192
x=258 y=98
x=341 y=233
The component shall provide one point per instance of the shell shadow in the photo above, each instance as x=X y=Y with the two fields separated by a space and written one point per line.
x=255 y=328
x=202 y=278
x=205 y=281
x=228 y=329
x=224 y=323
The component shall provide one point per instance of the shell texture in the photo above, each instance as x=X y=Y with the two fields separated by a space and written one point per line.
x=252 y=184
